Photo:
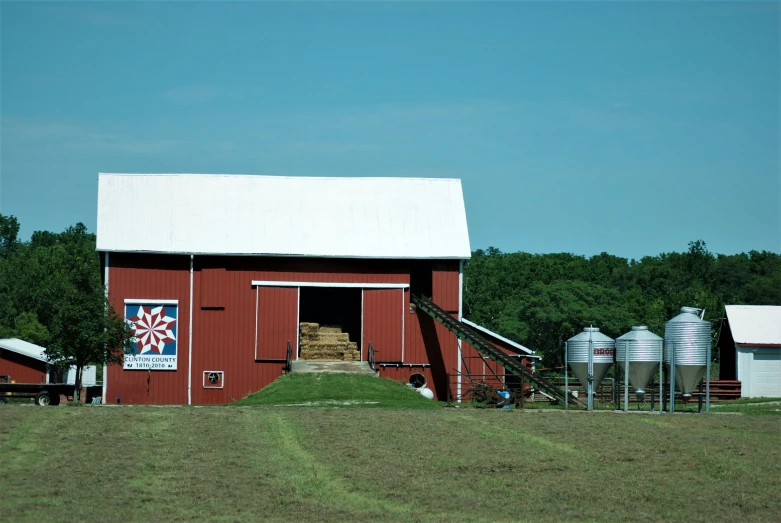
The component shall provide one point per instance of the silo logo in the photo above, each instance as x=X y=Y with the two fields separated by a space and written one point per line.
x=604 y=352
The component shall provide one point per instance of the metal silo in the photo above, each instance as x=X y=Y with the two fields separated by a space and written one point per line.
x=687 y=344
x=638 y=354
x=590 y=344
x=644 y=353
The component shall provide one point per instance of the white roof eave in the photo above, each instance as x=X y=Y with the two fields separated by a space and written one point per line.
x=24 y=348
x=499 y=337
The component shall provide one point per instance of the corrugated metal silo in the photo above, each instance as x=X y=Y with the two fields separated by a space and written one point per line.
x=578 y=347
x=644 y=350
x=687 y=340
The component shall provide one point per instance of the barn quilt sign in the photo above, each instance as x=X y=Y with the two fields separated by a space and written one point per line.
x=155 y=326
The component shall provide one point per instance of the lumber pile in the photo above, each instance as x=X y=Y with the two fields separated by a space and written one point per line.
x=327 y=343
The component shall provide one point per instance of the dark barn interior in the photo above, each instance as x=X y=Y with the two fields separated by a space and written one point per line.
x=332 y=307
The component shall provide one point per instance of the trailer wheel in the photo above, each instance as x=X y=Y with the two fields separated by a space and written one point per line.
x=43 y=399
x=3 y=400
x=54 y=400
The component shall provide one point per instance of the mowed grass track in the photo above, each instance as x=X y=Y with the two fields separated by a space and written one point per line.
x=325 y=464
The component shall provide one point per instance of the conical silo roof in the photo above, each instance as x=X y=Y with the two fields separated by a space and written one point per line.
x=639 y=333
x=591 y=333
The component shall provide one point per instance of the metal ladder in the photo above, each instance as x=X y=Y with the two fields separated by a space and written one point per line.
x=488 y=350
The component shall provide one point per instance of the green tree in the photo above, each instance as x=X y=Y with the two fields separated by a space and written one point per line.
x=9 y=232
x=27 y=327
x=85 y=329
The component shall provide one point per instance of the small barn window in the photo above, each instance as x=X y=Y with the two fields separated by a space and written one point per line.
x=213 y=288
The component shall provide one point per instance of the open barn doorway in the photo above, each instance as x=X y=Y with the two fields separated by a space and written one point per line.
x=330 y=324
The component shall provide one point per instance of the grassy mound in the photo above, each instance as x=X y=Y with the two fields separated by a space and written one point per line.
x=338 y=390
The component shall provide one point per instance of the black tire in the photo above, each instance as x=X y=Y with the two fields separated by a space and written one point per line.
x=3 y=400
x=55 y=400
x=43 y=399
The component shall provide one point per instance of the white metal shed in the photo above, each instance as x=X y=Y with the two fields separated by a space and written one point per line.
x=756 y=334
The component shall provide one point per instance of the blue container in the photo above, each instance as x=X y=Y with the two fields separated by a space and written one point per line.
x=506 y=395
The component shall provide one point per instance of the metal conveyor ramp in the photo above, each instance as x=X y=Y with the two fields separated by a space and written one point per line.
x=487 y=349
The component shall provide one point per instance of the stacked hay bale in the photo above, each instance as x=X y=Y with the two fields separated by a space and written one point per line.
x=326 y=343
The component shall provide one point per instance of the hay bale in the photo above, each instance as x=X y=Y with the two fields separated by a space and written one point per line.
x=322 y=355
x=327 y=345
x=308 y=329
x=351 y=355
x=333 y=337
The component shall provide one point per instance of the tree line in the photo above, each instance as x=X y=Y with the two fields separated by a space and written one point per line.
x=541 y=300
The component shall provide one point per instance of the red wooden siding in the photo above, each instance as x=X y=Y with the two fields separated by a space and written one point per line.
x=472 y=363
x=277 y=321
x=448 y=344
x=382 y=323
x=224 y=340
x=445 y=286
x=492 y=372
x=414 y=346
x=212 y=288
x=152 y=277
x=21 y=369
x=318 y=270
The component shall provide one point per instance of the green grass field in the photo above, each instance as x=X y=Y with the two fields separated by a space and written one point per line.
x=133 y=463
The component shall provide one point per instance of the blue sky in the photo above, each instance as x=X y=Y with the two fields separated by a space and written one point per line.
x=625 y=127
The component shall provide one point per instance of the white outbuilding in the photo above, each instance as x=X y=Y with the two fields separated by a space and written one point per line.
x=750 y=348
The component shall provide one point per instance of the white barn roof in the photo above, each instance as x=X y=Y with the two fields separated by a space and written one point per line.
x=282 y=216
x=755 y=324
x=24 y=348
x=501 y=338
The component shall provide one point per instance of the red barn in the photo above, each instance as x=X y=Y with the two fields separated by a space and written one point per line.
x=23 y=362
x=219 y=272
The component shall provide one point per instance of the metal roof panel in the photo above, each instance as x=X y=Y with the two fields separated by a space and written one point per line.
x=755 y=324
x=282 y=216
x=24 y=348
x=498 y=336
